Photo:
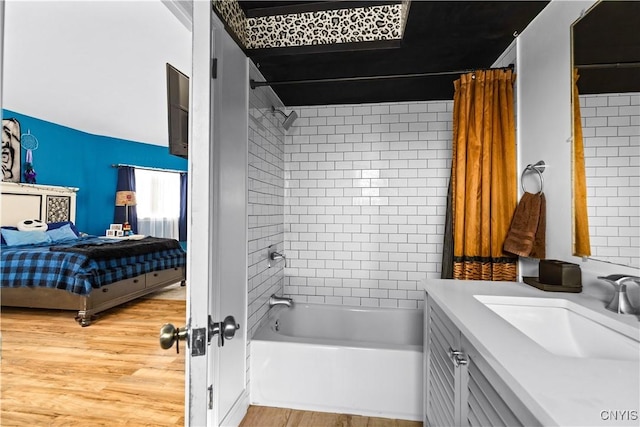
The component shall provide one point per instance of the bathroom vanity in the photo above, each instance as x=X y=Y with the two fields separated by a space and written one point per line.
x=505 y=353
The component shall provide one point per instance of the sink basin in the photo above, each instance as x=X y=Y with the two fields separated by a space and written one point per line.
x=565 y=328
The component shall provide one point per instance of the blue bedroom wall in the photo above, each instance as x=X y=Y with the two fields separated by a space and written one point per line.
x=73 y=158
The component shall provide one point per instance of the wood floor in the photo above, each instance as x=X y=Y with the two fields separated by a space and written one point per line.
x=56 y=373
x=263 y=416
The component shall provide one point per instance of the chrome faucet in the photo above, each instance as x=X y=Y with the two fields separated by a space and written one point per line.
x=620 y=302
x=274 y=256
x=276 y=300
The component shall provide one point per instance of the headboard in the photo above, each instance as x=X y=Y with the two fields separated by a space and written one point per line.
x=47 y=203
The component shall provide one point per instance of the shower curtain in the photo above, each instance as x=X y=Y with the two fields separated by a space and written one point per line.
x=581 y=240
x=483 y=175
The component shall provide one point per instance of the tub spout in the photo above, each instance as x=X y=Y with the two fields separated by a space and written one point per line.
x=276 y=300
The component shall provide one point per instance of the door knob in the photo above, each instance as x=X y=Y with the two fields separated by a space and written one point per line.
x=225 y=330
x=169 y=335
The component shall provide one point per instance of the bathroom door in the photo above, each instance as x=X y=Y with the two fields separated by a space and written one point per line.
x=217 y=242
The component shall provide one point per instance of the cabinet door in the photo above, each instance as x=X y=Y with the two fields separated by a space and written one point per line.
x=442 y=386
x=488 y=401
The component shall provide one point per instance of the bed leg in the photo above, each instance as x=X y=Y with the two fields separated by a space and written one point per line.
x=84 y=320
x=183 y=283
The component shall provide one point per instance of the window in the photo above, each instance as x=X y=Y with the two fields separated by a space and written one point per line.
x=158 y=203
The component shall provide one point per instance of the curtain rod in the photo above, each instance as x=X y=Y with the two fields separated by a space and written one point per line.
x=121 y=165
x=610 y=65
x=254 y=84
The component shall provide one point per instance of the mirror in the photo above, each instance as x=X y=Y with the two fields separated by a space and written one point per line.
x=606 y=52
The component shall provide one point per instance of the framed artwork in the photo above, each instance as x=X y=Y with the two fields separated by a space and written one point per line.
x=111 y=233
x=115 y=227
x=11 y=150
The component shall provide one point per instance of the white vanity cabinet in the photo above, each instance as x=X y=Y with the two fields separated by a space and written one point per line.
x=461 y=389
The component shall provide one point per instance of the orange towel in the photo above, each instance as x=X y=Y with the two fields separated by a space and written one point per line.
x=526 y=235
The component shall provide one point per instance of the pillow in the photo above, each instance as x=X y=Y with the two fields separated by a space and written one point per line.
x=15 y=237
x=61 y=234
x=32 y=225
x=50 y=225
x=54 y=225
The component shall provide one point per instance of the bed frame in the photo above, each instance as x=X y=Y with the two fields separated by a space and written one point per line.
x=54 y=204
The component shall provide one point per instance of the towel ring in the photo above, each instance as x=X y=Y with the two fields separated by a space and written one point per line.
x=538 y=168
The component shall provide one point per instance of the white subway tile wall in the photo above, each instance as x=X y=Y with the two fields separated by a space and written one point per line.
x=365 y=202
x=265 y=204
x=611 y=128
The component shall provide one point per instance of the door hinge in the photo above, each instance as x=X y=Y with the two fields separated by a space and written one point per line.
x=210 y=390
x=214 y=68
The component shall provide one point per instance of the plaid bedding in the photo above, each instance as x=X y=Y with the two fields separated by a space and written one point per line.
x=37 y=266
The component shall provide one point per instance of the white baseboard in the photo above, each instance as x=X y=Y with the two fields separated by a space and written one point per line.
x=238 y=411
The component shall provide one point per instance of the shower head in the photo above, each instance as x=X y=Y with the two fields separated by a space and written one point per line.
x=288 y=119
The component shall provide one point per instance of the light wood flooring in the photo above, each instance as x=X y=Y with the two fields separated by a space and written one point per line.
x=55 y=373
x=263 y=416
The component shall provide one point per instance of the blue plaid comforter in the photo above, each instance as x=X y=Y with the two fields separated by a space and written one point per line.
x=37 y=266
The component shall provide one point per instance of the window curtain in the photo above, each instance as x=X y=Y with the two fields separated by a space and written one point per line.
x=183 y=208
x=483 y=175
x=158 y=203
x=581 y=240
x=126 y=182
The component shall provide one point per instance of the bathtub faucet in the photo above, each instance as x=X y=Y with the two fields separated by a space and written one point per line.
x=276 y=300
x=277 y=255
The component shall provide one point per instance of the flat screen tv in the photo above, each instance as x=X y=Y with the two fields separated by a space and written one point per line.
x=178 y=109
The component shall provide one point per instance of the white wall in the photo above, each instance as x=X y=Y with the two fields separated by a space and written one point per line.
x=265 y=199
x=544 y=129
x=365 y=201
x=96 y=66
x=611 y=132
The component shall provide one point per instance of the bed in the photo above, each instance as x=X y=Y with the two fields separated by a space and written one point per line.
x=89 y=274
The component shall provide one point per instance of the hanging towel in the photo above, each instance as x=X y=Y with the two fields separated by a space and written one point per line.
x=527 y=230
x=540 y=242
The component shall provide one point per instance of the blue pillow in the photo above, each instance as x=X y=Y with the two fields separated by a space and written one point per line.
x=54 y=225
x=61 y=234
x=15 y=238
x=50 y=226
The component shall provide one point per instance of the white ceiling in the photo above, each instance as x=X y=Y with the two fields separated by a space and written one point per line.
x=96 y=66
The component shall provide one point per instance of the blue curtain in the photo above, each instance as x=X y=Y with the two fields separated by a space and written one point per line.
x=126 y=182
x=182 y=225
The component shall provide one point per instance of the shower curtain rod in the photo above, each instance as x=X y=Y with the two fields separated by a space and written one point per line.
x=610 y=65
x=121 y=165
x=254 y=84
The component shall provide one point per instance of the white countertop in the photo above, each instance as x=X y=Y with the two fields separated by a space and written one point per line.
x=558 y=390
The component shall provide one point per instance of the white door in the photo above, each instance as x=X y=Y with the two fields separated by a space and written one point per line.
x=217 y=242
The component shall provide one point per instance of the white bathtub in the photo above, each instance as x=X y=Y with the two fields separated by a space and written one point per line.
x=353 y=360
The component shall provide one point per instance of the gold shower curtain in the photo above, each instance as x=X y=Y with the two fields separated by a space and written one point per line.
x=483 y=175
x=581 y=241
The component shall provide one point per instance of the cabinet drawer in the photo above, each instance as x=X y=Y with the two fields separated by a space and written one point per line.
x=170 y=275
x=116 y=290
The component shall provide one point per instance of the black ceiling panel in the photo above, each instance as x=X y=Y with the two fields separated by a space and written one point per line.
x=439 y=36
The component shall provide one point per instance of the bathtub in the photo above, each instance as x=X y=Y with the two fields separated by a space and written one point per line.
x=352 y=360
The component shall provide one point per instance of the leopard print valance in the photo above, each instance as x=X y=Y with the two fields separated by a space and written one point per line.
x=362 y=24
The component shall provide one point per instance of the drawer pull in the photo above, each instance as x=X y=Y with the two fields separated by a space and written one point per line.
x=135 y=280
x=105 y=289
x=457 y=357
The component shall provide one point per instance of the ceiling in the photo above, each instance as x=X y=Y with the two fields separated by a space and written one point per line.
x=440 y=36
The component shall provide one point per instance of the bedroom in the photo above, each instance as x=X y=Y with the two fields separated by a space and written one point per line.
x=262 y=285
x=108 y=81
